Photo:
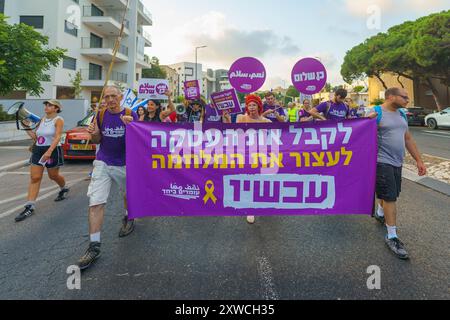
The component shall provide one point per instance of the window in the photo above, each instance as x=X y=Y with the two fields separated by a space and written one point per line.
x=137 y=76
x=69 y=63
x=70 y=28
x=95 y=11
x=95 y=72
x=96 y=41
x=2 y=6
x=77 y=1
x=34 y=21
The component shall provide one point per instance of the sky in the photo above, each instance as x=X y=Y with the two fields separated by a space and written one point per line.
x=277 y=32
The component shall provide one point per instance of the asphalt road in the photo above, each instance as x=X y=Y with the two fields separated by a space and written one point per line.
x=432 y=142
x=220 y=257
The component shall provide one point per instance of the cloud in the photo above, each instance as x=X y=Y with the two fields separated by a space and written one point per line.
x=361 y=8
x=225 y=42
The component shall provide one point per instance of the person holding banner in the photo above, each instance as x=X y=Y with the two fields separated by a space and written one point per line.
x=335 y=109
x=393 y=137
x=155 y=113
x=46 y=153
x=273 y=111
x=303 y=114
x=108 y=130
x=254 y=114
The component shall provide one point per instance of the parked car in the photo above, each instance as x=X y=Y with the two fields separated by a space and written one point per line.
x=74 y=141
x=439 y=119
x=416 y=116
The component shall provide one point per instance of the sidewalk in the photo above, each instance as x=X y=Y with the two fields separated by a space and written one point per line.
x=428 y=182
x=14 y=155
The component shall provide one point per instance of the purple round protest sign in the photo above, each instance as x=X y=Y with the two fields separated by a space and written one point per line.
x=309 y=76
x=161 y=88
x=247 y=75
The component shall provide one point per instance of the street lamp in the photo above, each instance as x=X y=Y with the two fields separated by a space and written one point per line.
x=196 y=55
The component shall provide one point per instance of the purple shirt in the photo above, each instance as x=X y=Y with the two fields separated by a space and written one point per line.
x=303 y=114
x=272 y=117
x=337 y=111
x=112 y=146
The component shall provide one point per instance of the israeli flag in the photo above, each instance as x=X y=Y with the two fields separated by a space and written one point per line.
x=129 y=99
x=138 y=104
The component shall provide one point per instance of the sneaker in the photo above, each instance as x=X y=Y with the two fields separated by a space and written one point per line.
x=92 y=254
x=251 y=219
x=28 y=212
x=381 y=220
x=397 y=247
x=127 y=227
x=62 y=195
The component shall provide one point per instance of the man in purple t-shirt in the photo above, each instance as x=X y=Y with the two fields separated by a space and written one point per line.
x=272 y=110
x=335 y=109
x=109 y=167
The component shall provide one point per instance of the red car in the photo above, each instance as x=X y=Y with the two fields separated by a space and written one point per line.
x=74 y=142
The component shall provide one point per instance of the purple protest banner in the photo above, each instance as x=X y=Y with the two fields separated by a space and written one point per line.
x=309 y=76
x=326 y=168
x=247 y=75
x=192 y=90
x=226 y=100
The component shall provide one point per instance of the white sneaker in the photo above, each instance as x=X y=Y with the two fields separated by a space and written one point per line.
x=251 y=219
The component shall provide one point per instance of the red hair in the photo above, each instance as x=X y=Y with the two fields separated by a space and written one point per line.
x=256 y=99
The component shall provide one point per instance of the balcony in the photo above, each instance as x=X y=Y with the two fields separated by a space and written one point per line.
x=93 y=78
x=103 y=50
x=116 y=4
x=144 y=17
x=143 y=61
x=104 y=23
x=146 y=36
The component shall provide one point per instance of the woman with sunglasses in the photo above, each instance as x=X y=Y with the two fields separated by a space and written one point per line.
x=46 y=153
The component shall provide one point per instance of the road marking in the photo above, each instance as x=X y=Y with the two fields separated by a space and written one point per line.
x=25 y=194
x=43 y=197
x=438 y=132
x=436 y=135
x=265 y=275
x=23 y=173
x=14 y=148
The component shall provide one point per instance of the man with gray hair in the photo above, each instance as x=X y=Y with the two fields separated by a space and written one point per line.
x=393 y=137
x=109 y=167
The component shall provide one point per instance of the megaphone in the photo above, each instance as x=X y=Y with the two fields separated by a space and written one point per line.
x=180 y=109
x=28 y=120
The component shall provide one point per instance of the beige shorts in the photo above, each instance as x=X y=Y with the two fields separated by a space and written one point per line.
x=102 y=178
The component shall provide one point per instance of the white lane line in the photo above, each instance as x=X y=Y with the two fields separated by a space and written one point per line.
x=43 y=197
x=22 y=196
x=266 y=278
x=23 y=173
x=14 y=148
x=438 y=132
x=436 y=135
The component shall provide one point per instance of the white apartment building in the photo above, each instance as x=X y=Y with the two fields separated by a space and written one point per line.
x=88 y=30
x=186 y=72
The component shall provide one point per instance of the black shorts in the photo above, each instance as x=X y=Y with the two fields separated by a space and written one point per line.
x=389 y=182
x=56 y=160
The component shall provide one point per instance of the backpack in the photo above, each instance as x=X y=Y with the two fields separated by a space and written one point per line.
x=128 y=112
x=379 y=110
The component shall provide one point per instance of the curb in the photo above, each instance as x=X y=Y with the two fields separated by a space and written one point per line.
x=14 y=166
x=427 y=182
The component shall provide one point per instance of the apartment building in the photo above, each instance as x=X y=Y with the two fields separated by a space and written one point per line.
x=88 y=30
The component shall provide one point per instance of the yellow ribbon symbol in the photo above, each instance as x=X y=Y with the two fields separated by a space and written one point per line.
x=209 y=188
